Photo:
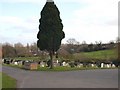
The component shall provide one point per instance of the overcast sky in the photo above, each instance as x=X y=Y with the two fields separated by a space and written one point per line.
x=84 y=20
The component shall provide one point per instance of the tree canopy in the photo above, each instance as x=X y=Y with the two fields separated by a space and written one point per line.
x=50 y=29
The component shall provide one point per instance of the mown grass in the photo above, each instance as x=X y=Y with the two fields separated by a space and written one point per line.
x=8 y=82
x=61 y=68
x=12 y=65
x=27 y=58
x=101 y=55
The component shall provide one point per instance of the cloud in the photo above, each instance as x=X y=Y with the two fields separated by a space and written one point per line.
x=18 y=23
x=15 y=29
x=113 y=22
x=98 y=12
x=97 y=21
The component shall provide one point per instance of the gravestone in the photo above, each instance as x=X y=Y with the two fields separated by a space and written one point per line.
x=15 y=63
x=2 y=60
x=102 y=65
x=42 y=64
x=64 y=64
x=20 y=62
x=113 y=65
x=108 y=65
x=57 y=61
x=80 y=65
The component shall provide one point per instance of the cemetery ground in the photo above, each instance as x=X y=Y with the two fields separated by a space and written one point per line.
x=59 y=68
x=103 y=75
x=95 y=60
x=102 y=78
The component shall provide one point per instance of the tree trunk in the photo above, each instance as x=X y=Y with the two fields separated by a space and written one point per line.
x=51 y=60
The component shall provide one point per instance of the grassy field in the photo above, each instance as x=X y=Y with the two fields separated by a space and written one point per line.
x=100 y=55
x=27 y=58
x=7 y=81
x=97 y=55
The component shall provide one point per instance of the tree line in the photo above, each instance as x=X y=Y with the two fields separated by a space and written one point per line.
x=19 y=50
x=74 y=46
x=71 y=47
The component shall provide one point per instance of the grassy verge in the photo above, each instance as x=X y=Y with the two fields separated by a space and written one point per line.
x=11 y=65
x=63 y=69
x=8 y=82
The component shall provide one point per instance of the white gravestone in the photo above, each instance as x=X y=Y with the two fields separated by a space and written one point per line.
x=92 y=65
x=113 y=65
x=80 y=65
x=16 y=63
x=42 y=64
x=102 y=65
x=64 y=63
x=57 y=61
x=107 y=65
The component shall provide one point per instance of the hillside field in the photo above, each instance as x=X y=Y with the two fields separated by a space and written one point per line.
x=96 y=55
x=99 y=55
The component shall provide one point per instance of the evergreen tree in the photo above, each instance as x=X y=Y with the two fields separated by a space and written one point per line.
x=50 y=29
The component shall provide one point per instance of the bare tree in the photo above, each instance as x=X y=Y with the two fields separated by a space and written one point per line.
x=20 y=50
x=8 y=50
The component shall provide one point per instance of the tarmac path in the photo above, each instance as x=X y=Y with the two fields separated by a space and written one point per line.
x=102 y=78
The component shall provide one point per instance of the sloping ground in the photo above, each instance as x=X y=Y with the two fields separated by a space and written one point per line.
x=99 y=55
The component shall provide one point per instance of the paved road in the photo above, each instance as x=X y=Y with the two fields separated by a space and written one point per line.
x=70 y=79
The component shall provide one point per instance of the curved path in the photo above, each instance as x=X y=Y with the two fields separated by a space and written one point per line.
x=106 y=78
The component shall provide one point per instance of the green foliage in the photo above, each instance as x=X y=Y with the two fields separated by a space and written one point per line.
x=8 y=82
x=50 y=29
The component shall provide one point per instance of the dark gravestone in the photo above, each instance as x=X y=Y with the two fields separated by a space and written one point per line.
x=7 y=62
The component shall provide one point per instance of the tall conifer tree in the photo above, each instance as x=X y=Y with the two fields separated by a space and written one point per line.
x=50 y=29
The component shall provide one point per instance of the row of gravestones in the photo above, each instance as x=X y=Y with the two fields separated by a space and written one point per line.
x=57 y=63
x=13 y=61
x=71 y=64
x=102 y=65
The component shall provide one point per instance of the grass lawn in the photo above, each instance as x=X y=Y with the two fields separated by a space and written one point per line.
x=63 y=68
x=7 y=81
x=27 y=58
x=100 y=55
